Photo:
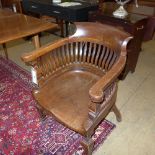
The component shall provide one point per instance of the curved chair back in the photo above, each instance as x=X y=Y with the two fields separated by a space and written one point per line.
x=93 y=49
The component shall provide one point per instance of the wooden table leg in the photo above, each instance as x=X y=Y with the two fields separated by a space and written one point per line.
x=5 y=50
x=36 y=41
x=67 y=28
x=61 y=27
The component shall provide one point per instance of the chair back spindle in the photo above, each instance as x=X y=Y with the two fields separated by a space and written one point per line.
x=73 y=54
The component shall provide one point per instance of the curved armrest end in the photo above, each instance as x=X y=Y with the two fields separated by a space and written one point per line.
x=96 y=96
x=25 y=57
x=96 y=92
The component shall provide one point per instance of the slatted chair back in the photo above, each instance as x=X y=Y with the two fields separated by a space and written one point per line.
x=87 y=51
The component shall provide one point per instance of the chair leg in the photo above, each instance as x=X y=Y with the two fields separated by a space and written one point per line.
x=117 y=113
x=61 y=28
x=41 y=112
x=5 y=50
x=88 y=145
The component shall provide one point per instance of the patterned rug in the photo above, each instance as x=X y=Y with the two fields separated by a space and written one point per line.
x=21 y=130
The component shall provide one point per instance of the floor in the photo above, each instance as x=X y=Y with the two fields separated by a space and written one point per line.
x=135 y=135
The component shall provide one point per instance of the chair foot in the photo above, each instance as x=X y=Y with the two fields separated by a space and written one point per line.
x=41 y=112
x=88 y=145
x=5 y=50
x=117 y=113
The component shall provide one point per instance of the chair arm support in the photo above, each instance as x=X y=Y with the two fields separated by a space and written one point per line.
x=96 y=92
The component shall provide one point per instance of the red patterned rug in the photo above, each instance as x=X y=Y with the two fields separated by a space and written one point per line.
x=21 y=130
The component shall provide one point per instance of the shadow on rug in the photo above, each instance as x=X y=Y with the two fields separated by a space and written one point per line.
x=22 y=132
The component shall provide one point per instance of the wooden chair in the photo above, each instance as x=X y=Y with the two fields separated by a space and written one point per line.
x=14 y=5
x=77 y=77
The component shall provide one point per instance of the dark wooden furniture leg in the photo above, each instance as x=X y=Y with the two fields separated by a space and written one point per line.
x=67 y=28
x=41 y=112
x=88 y=145
x=117 y=113
x=5 y=50
x=60 y=23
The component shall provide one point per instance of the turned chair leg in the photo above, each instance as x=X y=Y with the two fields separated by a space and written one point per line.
x=117 y=113
x=88 y=145
x=5 y=50
x=41 y=112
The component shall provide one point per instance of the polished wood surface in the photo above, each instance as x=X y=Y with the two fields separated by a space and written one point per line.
x=77 y=77
x=145 y=8
x=14 y=26
x=133 y=23
x=150 y=3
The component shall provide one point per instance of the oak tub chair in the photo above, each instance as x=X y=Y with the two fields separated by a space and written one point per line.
x=77 y=77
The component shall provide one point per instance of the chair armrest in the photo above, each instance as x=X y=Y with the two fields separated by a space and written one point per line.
x=31 y=56
x=96 y=92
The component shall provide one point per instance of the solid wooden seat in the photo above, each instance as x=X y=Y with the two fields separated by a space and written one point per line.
x=76 y=82
x=77 y=77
